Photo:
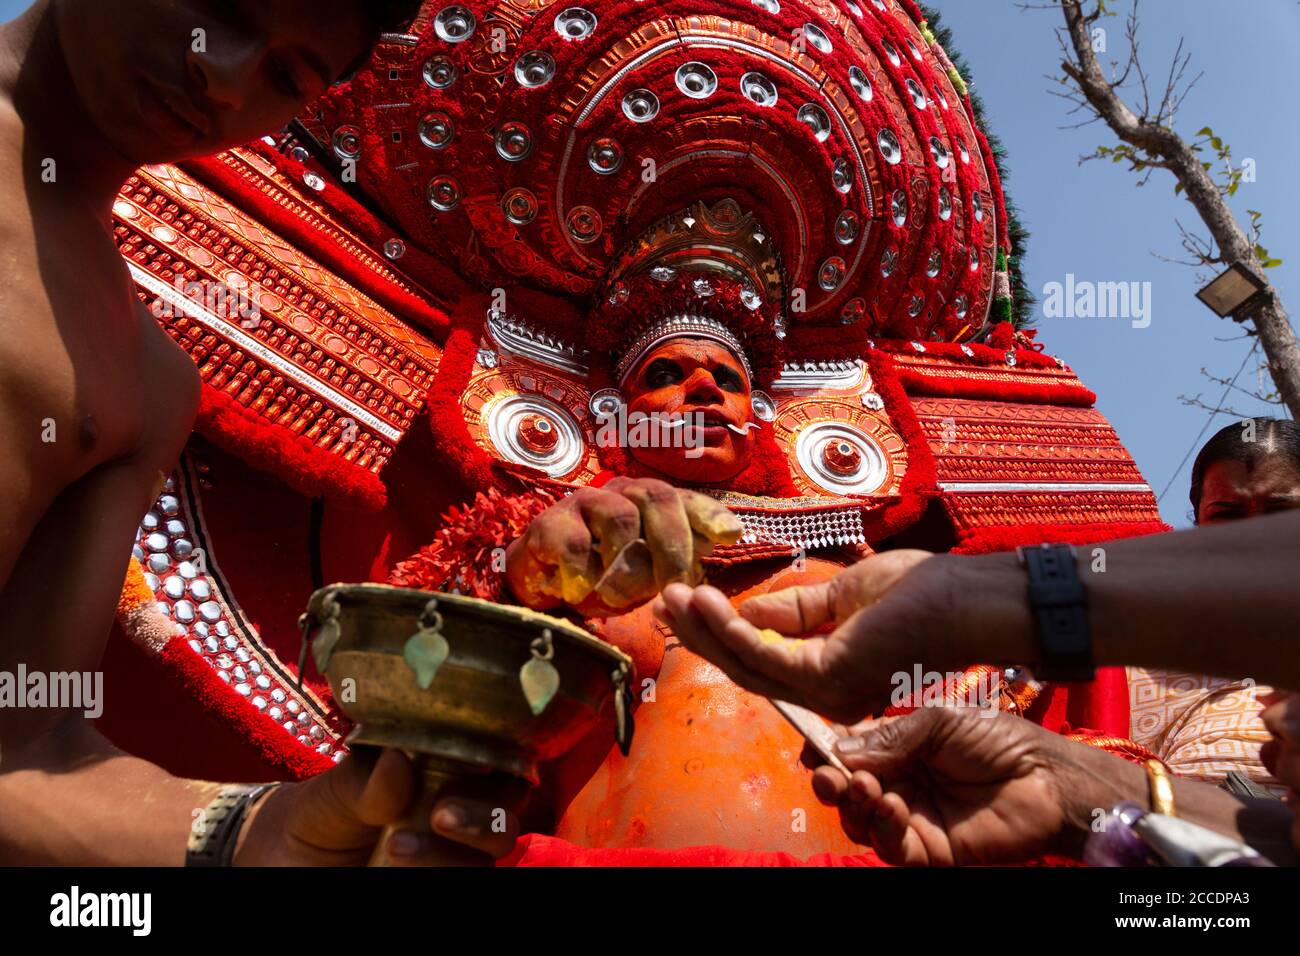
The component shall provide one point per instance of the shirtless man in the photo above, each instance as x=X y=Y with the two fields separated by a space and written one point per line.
x=96 y=403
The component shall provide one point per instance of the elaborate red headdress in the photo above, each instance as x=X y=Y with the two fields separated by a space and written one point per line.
x=805 y=174
x=529 y=142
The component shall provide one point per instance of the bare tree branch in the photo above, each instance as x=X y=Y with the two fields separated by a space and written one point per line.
x=1148 y=142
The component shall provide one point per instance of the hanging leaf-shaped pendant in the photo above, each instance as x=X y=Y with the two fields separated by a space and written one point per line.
x=322 y=648
x=623 y=720
x=424 y=653
x=540 y=681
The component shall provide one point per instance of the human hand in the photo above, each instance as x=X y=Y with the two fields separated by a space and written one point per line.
x=1281 y=755
x=606 y=550
x=807 y=608
x=336 y=818
x=946 y=786
x=894 y=611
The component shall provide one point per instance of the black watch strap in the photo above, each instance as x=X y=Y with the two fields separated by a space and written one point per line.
x=216 y=829
x=1060 y=605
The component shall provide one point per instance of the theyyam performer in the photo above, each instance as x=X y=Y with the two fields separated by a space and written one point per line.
x=557 y=305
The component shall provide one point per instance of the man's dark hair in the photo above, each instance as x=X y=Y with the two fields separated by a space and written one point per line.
x=1272 y=436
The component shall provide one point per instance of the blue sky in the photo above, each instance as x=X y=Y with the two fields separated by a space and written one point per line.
x=1092 y=221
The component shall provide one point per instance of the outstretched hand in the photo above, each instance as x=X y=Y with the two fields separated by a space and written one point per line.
x=889 y=613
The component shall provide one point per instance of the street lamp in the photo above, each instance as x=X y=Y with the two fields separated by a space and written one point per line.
x=1235 y=293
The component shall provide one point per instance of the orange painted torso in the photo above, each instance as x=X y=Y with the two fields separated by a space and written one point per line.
x=710 y=764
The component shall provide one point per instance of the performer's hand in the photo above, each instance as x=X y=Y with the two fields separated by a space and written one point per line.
x=335 y=819
x=606 y=550
x=947 y=786
x=1281 y=755
x=893 y=610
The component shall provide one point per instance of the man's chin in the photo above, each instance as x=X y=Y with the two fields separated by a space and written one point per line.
x=152 y=152
x=138 y=146
x=702 y=465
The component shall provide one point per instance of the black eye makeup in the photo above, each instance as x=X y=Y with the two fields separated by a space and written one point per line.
x=662 y=372
x=728 y=379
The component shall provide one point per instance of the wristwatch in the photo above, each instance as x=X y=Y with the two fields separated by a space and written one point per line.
x=1060 y=606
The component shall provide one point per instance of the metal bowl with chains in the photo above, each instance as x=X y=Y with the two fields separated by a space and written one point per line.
x=464 y=687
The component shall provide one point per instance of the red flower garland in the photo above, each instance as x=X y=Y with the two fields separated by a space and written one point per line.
x=471 y=464
x=920 y=481
x=461 y=554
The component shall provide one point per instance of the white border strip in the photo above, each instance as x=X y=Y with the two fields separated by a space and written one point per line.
x=177 y=300
x=1064 y=487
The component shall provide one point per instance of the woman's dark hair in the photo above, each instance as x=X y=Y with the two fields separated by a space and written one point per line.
x=1271 y=436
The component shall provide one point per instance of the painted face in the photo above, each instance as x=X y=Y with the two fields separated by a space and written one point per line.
x=169 y=79
x=702 y=382
x=1230 y=491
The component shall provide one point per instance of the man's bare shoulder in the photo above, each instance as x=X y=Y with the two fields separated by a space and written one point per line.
x=174 y=386
x=11 y=127
x=15 y=211
x=76 y=347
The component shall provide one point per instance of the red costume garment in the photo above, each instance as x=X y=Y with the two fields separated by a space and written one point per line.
x=461 y=244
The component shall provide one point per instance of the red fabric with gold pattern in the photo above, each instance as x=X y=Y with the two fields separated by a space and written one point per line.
x=304 y=372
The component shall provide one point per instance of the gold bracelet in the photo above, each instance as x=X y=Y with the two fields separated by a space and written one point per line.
x=1161 y=788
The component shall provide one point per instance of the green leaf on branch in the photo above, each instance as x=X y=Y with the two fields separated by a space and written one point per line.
x=1265 y=260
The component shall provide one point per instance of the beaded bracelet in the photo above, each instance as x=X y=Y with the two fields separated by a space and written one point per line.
x=212 y=843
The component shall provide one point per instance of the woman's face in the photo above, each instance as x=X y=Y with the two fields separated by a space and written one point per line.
x=1230 y=491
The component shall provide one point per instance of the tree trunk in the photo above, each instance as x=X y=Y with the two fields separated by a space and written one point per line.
x=1278 y=338
x=1168 y=150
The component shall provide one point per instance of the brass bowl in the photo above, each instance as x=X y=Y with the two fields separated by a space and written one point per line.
x=473 y=716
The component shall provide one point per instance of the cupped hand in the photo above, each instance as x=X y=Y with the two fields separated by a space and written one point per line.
x=336 y=819
x=892 y=610
x=890 y=613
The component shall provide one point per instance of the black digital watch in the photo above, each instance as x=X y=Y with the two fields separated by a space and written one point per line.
x=1060 y=605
